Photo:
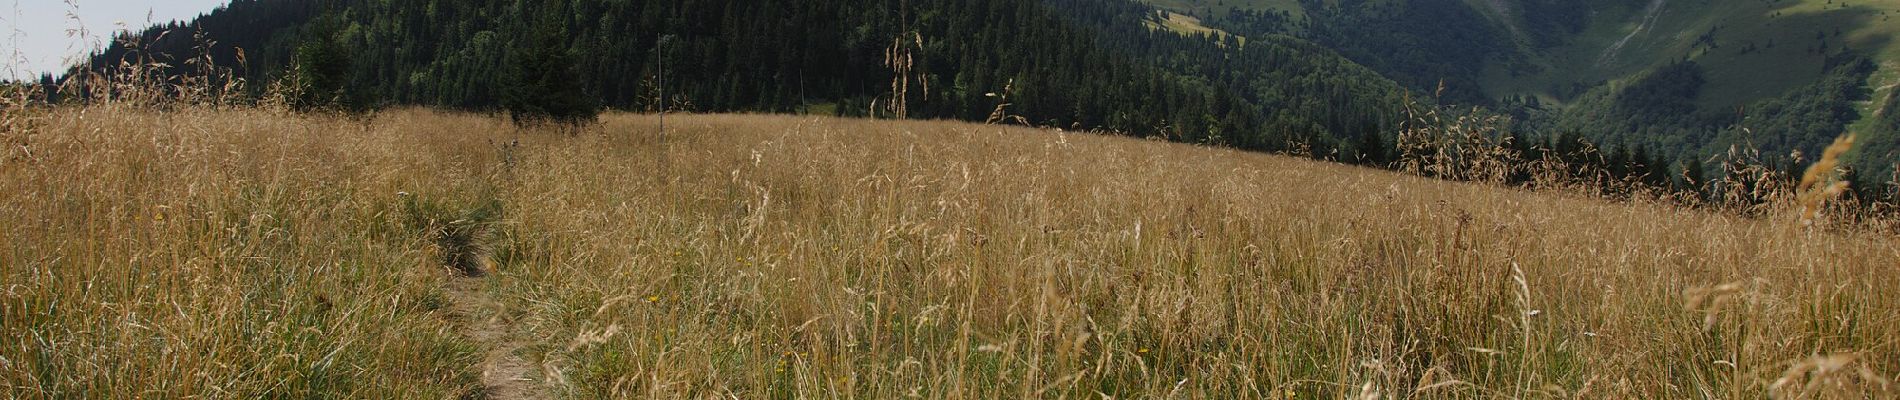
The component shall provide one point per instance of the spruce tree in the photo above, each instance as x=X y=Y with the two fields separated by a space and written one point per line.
x=1373 y=150
x=543 y=86
x=322 y=71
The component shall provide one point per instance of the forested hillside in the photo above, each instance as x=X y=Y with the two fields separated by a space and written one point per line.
x=1685 y=79
x=1420 y=43
x=1063 y=63
x=1325 y=78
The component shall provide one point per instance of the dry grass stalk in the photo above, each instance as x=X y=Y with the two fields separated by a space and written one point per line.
x=1822 y=182
x=1835 y=376
x=1466 y=147
x=901 y=58
x=1001 y=113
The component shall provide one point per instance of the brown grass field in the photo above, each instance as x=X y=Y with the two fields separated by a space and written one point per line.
x=250 y=254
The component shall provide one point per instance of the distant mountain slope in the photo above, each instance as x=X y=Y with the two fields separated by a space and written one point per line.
x=1067 y=63
x=1556 y=49
x=1683 y=77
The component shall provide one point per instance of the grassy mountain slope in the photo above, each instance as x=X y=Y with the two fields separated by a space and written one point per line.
x=1220 y=9
x=1687 y=78
x=1183 y=24
x=250 y=254
x=1752 y=49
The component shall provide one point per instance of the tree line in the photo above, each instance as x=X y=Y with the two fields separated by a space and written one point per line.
x=1082 y=64
x=1276 y=85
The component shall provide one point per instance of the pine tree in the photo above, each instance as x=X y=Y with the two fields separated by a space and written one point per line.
x=1373 y=150
x=322 y=69
x=543 y=86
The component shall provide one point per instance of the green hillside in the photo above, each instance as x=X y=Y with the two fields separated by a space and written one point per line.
x=1752 y=50
x=1688 y=78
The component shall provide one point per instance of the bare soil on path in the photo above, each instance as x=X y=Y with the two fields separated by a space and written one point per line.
x=486 y=322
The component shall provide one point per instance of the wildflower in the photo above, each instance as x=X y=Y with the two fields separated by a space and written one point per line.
x=653 y=299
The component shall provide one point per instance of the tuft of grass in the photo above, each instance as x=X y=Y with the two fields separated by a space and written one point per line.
x=200 y=252
x=462 y=240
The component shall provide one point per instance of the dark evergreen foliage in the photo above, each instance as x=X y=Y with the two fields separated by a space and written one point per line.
x=321 y=70
x=1423 y=44
x=1659 y=113
x=1809 y=117
x=1073 y=63
x=542 y=86
x=1657 y=108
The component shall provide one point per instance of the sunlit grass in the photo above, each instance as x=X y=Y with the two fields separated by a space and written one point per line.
x=248 y=254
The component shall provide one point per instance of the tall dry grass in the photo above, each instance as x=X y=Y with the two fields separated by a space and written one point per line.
x=249 y=254
x=219 y=254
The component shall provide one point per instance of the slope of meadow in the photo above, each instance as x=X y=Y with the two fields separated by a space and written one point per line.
x=244 y=254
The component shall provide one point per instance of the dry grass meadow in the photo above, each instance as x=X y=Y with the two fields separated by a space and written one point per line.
x=249 y=254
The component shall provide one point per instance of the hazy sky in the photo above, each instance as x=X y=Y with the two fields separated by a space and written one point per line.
x=37 y=28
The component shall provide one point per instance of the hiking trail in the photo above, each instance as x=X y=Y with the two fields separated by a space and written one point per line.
x=486 y=322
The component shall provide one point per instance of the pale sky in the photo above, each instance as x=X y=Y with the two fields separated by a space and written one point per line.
x=35 y=38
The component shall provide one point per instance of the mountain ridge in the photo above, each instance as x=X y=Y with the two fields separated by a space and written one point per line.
x=1568 y=65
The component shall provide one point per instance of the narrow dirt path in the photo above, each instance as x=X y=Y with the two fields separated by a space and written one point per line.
x=485 y=321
